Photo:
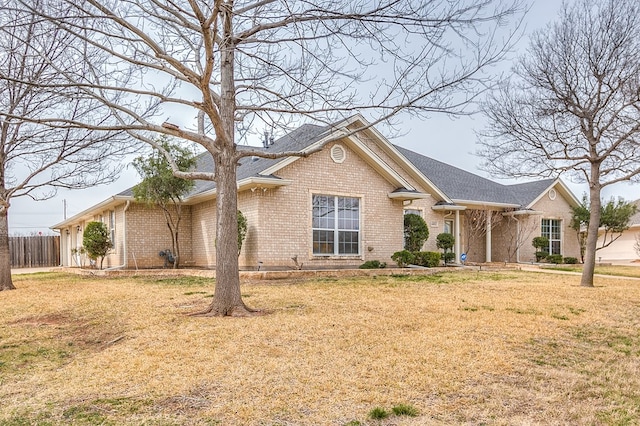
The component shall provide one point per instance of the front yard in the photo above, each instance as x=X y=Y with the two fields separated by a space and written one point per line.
x=461 y=347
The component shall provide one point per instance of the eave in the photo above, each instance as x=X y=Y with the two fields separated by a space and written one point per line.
x=523 y=212
x=448 y=207
x=251 y=183
x=487 y=204
x=91 y=211
x=407 y=195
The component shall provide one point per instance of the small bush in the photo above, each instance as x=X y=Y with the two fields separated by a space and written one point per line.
x=403 y=258
x=405 y=410
x=541 y=255
x=373 y=264
x=416 y=232
x=378 y=413
x=448 y=257
x=540 y=243
x=430 y=259
x=570 y=260
x=554 y=258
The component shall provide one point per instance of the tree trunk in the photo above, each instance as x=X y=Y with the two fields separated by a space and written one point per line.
x=227 y=299
x=5 y=257
x=176 y=238
x=592 y=234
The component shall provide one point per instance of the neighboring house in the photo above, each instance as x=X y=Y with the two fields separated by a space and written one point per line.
x=622 y=249
x=338 y=208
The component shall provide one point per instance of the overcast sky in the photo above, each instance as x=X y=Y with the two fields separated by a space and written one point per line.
x=445 y=139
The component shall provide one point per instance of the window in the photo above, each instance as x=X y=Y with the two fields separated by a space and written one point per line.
x=551 y=228
x=112 y=227
x=448 y=227
x=413 y=211
x=336 y=225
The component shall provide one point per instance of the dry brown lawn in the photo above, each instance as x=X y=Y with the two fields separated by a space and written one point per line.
x=476 y=348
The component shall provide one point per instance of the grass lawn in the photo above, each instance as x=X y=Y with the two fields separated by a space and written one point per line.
x=476 y=348
x=617 y=270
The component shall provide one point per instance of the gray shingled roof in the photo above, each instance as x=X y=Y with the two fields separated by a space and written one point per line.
x=460 y=184
x=456 y=183
x=297 y=140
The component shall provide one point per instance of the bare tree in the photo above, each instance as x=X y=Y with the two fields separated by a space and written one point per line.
x=242 y=66
x=36 y=159
x=572 y=106
x=475 y=225
x=517 y=232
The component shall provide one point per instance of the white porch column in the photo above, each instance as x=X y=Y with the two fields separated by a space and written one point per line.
x=488 y=237
x=456 y=242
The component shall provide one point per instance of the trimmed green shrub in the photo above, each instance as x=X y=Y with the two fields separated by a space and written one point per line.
x=430 y=259
x=540 y=243
x=403 y=258
x=554 y=258
x=445 y=241
x=541 y=255
x=373 y=264
x=570 y=260
x=416 y=232
x=448 y=257
x=96 y=241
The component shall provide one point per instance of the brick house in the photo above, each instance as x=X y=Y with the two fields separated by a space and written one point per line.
x=339 y=207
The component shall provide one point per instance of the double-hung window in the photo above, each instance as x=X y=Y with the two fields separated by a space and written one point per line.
x=551 y=228
x=336 y=225
x=112 y=227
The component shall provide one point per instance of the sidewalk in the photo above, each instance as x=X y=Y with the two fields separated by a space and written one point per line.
x=19 y=271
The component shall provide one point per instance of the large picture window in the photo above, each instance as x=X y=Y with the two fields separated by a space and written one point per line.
x=336 y=225
x=551 y=228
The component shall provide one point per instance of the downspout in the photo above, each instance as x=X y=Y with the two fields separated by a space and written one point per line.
x=124 y=238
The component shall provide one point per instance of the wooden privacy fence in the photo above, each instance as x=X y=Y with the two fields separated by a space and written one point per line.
x=36 y=251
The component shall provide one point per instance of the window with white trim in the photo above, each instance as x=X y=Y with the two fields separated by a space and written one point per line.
x=336 y=225
x=551 y=228
x=448 y=227
x=112 y=227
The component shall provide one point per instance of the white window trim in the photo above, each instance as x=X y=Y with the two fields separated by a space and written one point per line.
x=335 y=255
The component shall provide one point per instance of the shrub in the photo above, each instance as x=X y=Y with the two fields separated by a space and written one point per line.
x=96 y=241
x=541 y=255
x=448 y=257
x=378 y=413
x=554 y=258
x=430 y=259
x=373 y=264
x=540 y=243
x=445 y=241
x=242 y=230
x=403 y=258
x=416 y=232
x=570 y=260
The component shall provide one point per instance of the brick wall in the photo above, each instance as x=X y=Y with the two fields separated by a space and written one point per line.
x=148 y=234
